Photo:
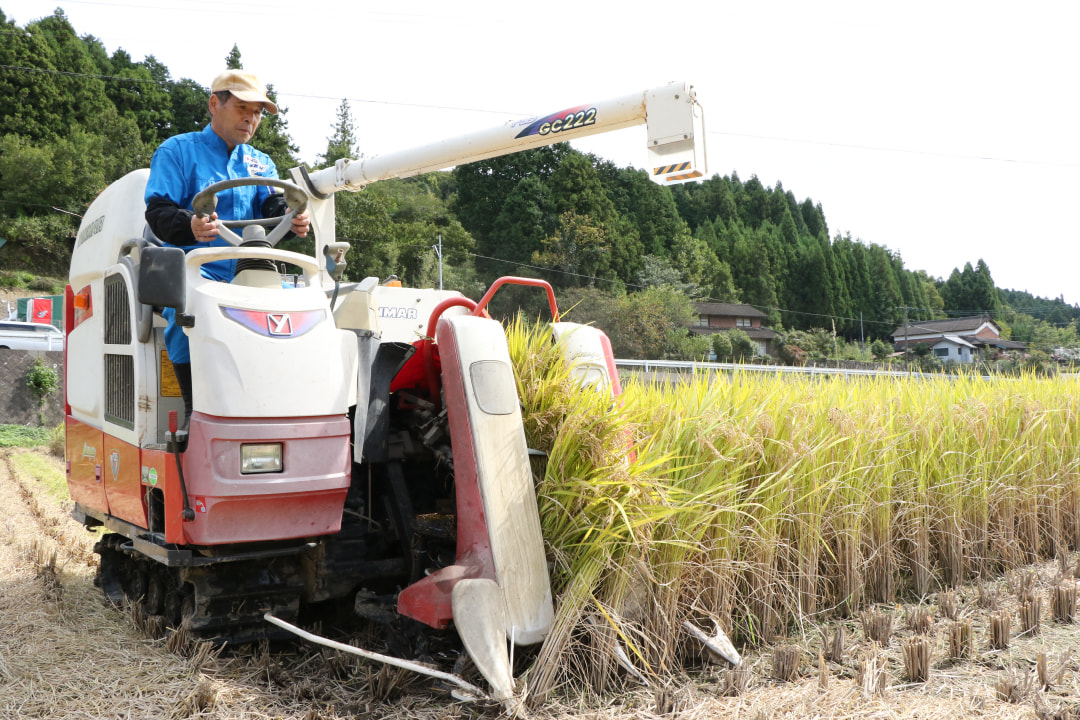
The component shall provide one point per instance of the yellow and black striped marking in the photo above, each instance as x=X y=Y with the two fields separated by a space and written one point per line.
x=665 y=169
x=684 y=176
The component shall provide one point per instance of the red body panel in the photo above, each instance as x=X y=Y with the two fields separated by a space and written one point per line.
x=159 y=471
x=304 y=500
x=83 y=444
x=123 y=487
x=429 y=600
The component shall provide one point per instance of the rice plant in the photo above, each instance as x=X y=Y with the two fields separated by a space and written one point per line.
x=758 y=503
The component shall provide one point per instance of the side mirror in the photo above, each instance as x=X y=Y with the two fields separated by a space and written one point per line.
x=161 y=278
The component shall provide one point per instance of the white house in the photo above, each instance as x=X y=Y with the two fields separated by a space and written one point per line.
x=960 y=340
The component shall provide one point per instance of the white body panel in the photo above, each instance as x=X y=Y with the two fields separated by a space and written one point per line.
x=505 y=478
x=314 y=372
x=584 y=350
x=115 y=217
x=403 y=313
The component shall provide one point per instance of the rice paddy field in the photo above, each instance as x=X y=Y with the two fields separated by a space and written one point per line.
x=878 y=548
x=770 y=505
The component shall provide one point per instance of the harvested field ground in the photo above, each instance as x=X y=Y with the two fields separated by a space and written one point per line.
x=66 y=653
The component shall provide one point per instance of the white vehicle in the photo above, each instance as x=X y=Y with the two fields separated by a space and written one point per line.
x=16 y=335
x=351 y=443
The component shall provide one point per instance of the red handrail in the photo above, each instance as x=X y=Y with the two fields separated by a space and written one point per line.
x=512 y=280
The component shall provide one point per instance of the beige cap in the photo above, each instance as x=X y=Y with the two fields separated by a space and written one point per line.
x=245 y=86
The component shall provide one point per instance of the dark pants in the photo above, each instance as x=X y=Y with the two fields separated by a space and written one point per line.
x=183 y=379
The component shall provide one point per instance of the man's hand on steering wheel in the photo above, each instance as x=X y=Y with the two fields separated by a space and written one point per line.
x=204 y=227
x=300 y=223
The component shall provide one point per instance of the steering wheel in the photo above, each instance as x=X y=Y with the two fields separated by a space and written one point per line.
x=205 y=203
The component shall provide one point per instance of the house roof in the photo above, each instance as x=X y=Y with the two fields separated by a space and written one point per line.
x=759 y=333
x=957 y=340
x=728 y=310
x=996 y=342
x=952 y=326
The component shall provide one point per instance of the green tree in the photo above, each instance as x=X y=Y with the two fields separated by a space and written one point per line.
x=721 y=346
x=650 y=208
x=659 y=272
x=742 y=347
x=189 y=101
x=578 y=251
x=273 y=137
x=483 y=187
x=59 y=87
x=232 y=60
x=342 y=143
x=141 y=96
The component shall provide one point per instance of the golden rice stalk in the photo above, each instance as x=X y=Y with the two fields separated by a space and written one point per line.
x=759 y=497
x=917 y=658
x=179 y=641
x=823 y=672
x=202 y=697
x=961 y=645
x=1022 y=585
x=735 y=680
x=988 y=597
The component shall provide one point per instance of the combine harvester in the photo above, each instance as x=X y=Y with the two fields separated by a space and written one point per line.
x=354 y=444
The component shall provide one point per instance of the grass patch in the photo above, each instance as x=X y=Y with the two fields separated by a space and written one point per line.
x=24 y=280
x=43 y=469
x=16 y=279
x=23 y=436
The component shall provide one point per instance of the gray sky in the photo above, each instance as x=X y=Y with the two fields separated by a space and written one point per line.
x=946 y=131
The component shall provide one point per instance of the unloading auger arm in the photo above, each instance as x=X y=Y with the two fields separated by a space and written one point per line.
x=671 y=112
x=675 y=145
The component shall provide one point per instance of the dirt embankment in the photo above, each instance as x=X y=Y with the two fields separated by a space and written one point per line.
x=66 y=653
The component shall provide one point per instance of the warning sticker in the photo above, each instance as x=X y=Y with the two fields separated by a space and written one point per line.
x=167 y=378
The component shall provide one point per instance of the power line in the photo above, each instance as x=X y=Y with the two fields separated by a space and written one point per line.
x=47 y=71
x=906 y=151
x=512 y=113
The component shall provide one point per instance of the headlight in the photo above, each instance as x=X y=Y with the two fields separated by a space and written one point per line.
x=260 y=458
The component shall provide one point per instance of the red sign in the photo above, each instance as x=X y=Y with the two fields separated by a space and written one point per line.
x=40 y=311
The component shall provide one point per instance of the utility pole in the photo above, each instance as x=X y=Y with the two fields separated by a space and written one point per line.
x=907 y=360
x=907 y=356
x=438 y=252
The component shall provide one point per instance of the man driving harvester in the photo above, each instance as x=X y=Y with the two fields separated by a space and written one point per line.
x=185 y=164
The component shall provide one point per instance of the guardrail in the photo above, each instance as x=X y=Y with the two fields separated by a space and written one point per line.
x=693 y=366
